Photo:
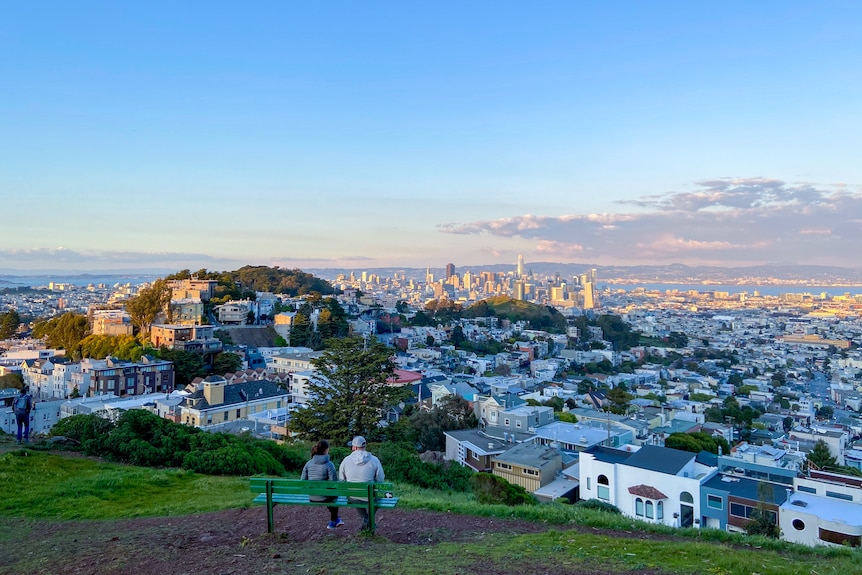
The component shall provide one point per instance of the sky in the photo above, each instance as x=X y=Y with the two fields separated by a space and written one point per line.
x=383 y=134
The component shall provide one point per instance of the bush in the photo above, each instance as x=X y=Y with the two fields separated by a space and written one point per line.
x=599 y=505
x=490 y=489
x=82 y=428
x=403 y=466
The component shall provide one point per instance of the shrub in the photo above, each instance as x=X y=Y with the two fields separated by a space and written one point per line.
x=403 y=466
x=490 y=489
x=599 y=505
x=82 y=428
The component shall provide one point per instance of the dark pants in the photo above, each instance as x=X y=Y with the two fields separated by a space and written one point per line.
x=362 y=511
x=333 y=511
x=23 y=424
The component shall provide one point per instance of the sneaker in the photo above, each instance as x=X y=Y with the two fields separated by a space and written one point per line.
x=330 y=525
x=338 y=523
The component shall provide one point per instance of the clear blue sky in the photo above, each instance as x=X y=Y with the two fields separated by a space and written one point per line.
x=210 y=134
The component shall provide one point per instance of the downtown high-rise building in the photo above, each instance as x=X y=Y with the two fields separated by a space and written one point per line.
x=520 y=270
x=450 y=271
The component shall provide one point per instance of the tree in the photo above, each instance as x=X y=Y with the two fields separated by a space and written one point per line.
x=11 y=381
x=187 y=365
x=65 y=331
x=348 y=392
x=825 y=412
x=9 y=323
x=458 y=336
x=226 y=362
x=146 y=306
x=619 y=399
x=453 y=412
x=821 y=457
x=763 y=521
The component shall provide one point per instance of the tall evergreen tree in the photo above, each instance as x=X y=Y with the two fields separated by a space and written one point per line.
x=821 y=457
x=349 y=391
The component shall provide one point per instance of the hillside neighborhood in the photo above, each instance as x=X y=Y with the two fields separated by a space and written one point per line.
x=730 y=410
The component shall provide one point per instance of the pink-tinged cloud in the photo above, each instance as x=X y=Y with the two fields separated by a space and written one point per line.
x=738 y=221
x=547 y=247
x=675 y=244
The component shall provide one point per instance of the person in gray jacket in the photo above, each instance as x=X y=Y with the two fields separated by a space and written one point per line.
x=361 y=467
x=320 y=468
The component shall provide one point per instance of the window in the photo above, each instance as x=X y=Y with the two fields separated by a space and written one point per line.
x=530 y=472
x=714 y=502
x=837 y=495
x=518 y=424
x=659 y=510
x=685 y=497
x=503 y=465
x=639 y=507
x=739 y=510
x=604 y=488
x=798 y=524
x=238 y=411
x=506 y=422
x=589 y=486
x=840 y=538
x=649 y=509
x=806 y=489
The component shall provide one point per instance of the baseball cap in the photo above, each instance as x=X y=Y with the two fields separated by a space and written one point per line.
x=358 y=441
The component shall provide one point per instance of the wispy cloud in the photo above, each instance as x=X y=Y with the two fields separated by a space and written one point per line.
x=62 y=258
x=729 y=221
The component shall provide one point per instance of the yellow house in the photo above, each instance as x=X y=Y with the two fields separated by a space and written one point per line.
x=529 y=465
x=217 y=401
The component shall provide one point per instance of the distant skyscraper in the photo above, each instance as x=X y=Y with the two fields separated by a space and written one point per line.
x=589 y=296
x=429 y=277
x=520 y=290
x=450 y=270
x=520 y=270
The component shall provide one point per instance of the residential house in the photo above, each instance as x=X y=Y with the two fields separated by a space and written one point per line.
x=217 y=402
x=472 y=448
x=655 y=484
x=529 y=465
x=728 y=501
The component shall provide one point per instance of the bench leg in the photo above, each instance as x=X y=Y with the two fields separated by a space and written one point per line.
x=371 y=525
x=270 y=523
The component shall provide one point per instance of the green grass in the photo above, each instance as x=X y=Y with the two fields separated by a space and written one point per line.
x=37 y=486
x=46 y=486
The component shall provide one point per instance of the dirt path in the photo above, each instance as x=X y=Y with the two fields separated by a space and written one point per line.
x=235 y=542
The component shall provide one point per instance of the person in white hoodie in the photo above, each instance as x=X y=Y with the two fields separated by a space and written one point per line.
x=361 y=467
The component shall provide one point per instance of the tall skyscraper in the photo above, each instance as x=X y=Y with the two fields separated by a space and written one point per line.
x=450 y=270
x=520 y=270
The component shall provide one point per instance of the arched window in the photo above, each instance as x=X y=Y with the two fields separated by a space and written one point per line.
x=686 y=497
x=659 y=510
x=639 y=507
x=604 y=488
x=649 y=512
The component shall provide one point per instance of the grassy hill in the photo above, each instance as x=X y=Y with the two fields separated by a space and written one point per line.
x=79 y=515
x=539 y=316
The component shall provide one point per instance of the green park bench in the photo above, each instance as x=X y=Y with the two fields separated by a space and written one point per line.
x=274 y=491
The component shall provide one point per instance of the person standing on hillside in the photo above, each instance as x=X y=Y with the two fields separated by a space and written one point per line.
x=320 y=468
x=360 y=467
x=22 y=407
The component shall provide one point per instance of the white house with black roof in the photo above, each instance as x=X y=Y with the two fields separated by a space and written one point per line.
x=654 y=484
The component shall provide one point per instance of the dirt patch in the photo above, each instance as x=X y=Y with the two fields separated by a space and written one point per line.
x=235 y=542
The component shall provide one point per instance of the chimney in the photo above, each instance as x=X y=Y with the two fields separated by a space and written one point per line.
x=214 y=392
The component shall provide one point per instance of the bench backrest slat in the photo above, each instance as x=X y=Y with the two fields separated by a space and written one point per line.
x=319 y=488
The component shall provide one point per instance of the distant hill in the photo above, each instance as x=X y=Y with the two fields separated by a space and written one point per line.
x=539 y=316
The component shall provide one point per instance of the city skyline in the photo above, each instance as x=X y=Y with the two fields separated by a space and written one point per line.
x=158 y=136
